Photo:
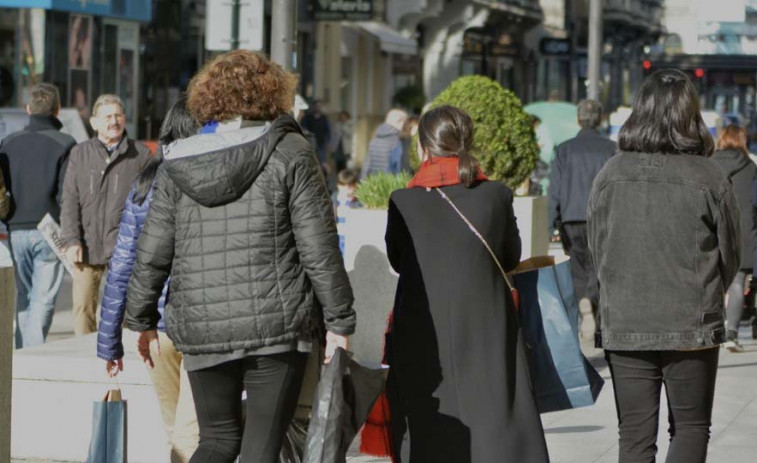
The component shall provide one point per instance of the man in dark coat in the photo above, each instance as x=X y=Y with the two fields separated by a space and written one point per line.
x=34 y=161
x=576 y=164
x=98 y=180
x=318 y=124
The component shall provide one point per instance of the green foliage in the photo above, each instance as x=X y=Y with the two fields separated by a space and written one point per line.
x=411 y=98
x=374 y=190
x=504 y=139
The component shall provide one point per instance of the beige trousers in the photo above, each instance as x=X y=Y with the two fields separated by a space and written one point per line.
x=171 y=384
x=86 y=297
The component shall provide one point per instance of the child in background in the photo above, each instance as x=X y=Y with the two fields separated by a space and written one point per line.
x=345 y=194
x=344 y=199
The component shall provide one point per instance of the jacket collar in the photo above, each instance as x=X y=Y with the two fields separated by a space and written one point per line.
x=39 y=122
x=122 y=147
x=588 y=133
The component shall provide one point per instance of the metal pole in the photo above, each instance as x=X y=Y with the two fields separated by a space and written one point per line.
x=235 y=6
x=7 y=311
x=284 y=32
x=595 y=49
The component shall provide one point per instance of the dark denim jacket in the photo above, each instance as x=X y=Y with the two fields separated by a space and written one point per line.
x=664 y=236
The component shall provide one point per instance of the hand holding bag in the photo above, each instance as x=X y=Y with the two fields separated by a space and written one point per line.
x=345 y=395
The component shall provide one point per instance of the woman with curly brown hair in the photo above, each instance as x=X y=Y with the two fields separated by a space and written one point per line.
x=242 y=221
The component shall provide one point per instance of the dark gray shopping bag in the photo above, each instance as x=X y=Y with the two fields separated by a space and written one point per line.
x=548 y=313
x=108 y=444
x=345 y=395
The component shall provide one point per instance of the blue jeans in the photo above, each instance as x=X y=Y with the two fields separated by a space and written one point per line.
x=39 y=274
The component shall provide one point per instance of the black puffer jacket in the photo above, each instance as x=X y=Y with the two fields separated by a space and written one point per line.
x=246 y=220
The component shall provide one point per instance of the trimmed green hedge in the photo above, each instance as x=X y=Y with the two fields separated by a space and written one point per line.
x=504 y=139
x=374 y=190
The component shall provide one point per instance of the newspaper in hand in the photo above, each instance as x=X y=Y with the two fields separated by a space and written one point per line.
x=51 y=231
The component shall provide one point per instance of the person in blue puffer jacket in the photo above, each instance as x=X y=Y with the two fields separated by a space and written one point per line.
x=168 y=375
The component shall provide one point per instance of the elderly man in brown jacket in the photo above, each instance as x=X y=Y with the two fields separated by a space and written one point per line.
x=99 y=176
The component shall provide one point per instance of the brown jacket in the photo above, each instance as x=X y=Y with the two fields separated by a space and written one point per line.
x=94 y=193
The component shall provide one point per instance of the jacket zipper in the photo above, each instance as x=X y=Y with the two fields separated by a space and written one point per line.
x=92 y=181
x=115 y=188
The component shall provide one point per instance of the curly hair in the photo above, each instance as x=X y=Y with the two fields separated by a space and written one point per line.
x=241 y=83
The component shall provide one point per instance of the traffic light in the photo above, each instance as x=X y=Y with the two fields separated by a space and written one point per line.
x=698 y=73
x=646 y=65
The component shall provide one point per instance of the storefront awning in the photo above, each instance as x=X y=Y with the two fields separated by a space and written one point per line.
x=391 y=40
x=134 y=10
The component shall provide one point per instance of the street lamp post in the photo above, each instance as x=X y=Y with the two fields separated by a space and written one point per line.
x=284 y=32
x=236 y=5
x=595 y=49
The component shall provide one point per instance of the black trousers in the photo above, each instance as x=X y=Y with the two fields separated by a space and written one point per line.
x=576 y=245
x=689 y=378
x=272 y=383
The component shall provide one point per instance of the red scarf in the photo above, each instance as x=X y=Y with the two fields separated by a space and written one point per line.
x=440 y=171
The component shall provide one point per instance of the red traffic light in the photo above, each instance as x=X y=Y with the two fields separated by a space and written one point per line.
x=647 y=65
x=699 y=73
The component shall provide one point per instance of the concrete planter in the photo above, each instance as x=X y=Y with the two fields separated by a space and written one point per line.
x=374 y=282
x=531 y=213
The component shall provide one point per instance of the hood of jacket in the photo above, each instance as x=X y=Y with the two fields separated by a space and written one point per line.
x=218 y=168
x=386 y=131
x=731 y=161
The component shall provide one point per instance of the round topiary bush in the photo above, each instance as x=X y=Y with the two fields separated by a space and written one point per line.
x=504 y=140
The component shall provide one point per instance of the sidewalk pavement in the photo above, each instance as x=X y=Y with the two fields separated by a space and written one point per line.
x=589 y=435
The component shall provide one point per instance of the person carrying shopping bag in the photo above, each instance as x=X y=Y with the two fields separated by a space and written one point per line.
x=242 y=221
x=457 y=358
x=168 y=375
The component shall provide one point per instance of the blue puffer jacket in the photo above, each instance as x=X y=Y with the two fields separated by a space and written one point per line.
x=109 y=346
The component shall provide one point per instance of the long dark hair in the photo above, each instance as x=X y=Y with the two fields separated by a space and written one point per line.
x=177 y=124
x=666 y=118
x=448 y=131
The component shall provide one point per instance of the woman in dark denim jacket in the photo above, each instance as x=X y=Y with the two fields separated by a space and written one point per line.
x=664 y=234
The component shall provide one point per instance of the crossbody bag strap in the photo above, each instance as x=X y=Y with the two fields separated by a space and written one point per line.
x=480 y=237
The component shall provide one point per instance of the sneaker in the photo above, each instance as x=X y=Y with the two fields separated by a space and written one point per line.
x=732 y=342
x=587 y=325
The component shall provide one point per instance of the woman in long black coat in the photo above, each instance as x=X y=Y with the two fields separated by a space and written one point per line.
x=459 y=371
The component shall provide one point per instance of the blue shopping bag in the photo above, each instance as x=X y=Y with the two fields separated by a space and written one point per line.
x=548 y=313
x=108 y=444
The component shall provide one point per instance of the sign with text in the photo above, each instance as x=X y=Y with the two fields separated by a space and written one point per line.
x=342 y=10
x=555 y=47
x=218 y=25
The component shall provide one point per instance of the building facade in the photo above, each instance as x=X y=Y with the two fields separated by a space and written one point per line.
x=465 y=37
x=360 y=62
x=717 y=47
x=561 y=41
x=85 y=48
